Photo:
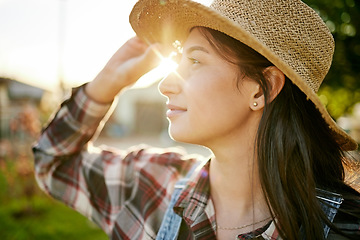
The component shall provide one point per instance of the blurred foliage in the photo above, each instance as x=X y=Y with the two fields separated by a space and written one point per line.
x=340 y=90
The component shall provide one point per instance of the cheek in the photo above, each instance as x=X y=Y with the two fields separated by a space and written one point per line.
x=216 y=101
x=213 y=91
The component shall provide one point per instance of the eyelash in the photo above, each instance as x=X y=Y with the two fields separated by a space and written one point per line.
x=177 y=58
x=193 y=60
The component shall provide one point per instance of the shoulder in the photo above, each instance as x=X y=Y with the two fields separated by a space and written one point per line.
x=158 y=161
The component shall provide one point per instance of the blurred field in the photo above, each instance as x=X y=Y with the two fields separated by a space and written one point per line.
x=27 y=214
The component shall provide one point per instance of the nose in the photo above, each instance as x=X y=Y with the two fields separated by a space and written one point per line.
x=171 y=84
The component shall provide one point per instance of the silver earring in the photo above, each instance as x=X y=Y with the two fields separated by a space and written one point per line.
x=255 y=104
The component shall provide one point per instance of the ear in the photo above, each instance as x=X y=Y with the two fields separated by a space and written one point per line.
x=276 y=81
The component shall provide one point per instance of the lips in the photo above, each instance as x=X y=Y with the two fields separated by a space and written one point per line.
x=174 y=110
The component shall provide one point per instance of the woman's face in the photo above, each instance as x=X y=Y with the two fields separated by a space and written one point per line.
x=205 y=106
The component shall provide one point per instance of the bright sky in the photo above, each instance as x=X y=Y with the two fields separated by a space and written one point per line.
x=34 y=31
x=87 y=32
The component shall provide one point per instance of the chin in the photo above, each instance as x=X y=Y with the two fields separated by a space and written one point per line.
x=183 y=137
x=178 y=135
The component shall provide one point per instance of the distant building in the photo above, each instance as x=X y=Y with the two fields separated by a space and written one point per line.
x=139 y=111
x=15 y=98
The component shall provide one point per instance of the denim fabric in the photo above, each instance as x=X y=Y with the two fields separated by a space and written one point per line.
x=330 y=203
x=171 y=222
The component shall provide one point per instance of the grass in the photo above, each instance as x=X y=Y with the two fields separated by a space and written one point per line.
x=26 y=213
x=44 y=218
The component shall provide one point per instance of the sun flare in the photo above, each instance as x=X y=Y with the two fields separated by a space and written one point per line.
x=166 y=67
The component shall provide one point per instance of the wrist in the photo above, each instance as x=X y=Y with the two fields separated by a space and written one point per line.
x=104 y=88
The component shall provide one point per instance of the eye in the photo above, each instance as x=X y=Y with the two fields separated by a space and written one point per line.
x=193 y=60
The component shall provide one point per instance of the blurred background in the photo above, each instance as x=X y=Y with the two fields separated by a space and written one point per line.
x=49 y=46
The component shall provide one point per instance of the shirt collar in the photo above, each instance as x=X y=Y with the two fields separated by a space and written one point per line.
x=195 y=196
x=194 y=204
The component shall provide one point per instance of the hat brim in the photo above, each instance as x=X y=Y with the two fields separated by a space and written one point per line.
x=172 y=20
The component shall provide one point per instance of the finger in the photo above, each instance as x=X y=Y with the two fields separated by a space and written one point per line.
x=153 y=55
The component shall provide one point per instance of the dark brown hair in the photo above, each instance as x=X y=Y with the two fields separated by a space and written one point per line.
x=295 y=150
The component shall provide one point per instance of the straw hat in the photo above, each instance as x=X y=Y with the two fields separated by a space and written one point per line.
x=287 y=32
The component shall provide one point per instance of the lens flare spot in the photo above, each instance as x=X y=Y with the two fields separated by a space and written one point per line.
x=166 y=66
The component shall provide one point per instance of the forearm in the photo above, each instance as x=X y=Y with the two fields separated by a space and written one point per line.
x=73 y=125
x=61 y=155
x=66 y=136
x=104 y=88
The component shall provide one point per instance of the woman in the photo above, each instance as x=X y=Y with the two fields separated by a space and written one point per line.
x=245 y=88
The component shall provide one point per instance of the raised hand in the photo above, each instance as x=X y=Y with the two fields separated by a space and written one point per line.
x=125 y=67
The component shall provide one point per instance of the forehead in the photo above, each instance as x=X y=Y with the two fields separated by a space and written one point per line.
x=219 y=45
x=196 y=38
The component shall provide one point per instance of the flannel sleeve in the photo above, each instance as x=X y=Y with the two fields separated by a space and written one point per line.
x=67 y=167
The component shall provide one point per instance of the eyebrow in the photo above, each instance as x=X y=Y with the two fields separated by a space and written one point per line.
x=196 y=48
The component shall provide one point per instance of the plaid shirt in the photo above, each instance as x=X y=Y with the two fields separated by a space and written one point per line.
x=125 y=192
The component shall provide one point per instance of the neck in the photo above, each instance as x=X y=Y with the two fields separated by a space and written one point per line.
x=234 y=184
x=235 y=187
x=233 y=170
